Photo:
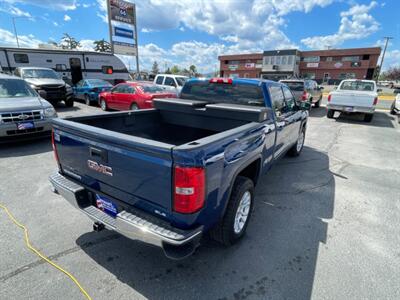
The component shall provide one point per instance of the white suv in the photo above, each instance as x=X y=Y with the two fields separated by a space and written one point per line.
x=170 y=82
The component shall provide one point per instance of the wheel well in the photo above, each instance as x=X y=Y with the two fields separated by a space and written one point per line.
x=252 y=171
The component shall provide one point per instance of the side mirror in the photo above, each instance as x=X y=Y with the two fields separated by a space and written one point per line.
x=379 y=90
x=304 y=105
x=172 y=84
x=396 y=91
x=42 y=93
x=321 y=88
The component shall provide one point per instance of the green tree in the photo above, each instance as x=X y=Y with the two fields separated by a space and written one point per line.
x=102 y=46
x=168 y=71
x=69 y=42
x=193 y=69
x=154 y=68
x=175 y=70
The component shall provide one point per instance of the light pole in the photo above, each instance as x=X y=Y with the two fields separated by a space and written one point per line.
x=387 y=38
x=15 y=31
x=15 y=27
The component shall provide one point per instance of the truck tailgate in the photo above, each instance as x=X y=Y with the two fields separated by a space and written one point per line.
x=351 y=98
x=134 y=170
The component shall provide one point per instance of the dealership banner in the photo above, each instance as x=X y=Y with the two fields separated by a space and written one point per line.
x=122 y=24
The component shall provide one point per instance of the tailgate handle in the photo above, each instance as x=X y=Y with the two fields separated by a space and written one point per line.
x=98 y=153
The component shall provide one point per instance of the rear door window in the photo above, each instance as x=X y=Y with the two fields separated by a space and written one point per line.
x=295 y=85
x=169 y=81
x=277 y=98
x=160 y=79
x=289 y=99
x=223 y=93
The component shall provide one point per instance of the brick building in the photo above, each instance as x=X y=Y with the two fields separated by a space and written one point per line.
x=241 y=65
x=330 y=66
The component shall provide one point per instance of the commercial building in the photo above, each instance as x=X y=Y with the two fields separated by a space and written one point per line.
x=329 y=66
x=241 y=65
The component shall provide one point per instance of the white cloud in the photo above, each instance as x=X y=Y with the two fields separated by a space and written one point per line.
x=50 y=4
x=8 y=39
x=67 y=18
x=86 y=45
x=355 y=24
x=55 y=23
x=252 y=24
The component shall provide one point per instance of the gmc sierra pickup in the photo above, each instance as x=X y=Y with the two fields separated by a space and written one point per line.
x=166 y=176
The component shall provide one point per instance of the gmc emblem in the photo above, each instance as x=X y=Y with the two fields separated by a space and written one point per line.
x=106 y=170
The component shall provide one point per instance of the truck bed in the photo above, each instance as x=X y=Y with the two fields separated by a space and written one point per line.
x=168 y=127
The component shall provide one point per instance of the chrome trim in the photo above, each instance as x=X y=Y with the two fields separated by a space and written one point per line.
x=134 y=226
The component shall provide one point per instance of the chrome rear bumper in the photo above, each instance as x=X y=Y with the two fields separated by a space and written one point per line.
x=351 y=109
x=136 y=226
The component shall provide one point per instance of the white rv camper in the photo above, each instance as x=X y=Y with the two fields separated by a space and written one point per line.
x=71 y=65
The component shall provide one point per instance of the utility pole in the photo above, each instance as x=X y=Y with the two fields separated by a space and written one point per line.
x=387 y=38
x=15 y=31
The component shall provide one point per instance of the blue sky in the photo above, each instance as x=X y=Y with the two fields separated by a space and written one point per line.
x=185 y=32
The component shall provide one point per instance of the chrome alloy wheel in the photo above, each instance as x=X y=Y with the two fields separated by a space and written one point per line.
x=242 y=212
x=300 y=141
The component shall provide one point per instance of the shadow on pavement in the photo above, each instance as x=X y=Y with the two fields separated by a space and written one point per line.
x=276 y=258
x=25 y=147
x=381 y=119
x=318 y=112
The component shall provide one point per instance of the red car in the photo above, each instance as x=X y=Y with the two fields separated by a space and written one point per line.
x=132 y=96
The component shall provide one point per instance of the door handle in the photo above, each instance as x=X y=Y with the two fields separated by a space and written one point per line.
x=98 y=153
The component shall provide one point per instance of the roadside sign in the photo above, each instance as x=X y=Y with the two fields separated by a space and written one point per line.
x=123 y=29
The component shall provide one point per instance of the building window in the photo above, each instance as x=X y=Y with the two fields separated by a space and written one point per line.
x=290 y=60
x=277 y=60
x=356 y=64
x=259 y=62
x=21 y=58
x=365 y=57
x=350 y=58
x=311 y=59
x=284 y=60
x=329 y=58
x=266 y=60
x=347 y=75
x=233 y=62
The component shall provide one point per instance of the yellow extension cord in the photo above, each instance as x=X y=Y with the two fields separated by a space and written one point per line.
x=28 y=244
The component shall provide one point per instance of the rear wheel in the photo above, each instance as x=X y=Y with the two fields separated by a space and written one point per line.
x=69 y=102
x=234 y=223
x=330 y=113
x=368 y=117
x=87 y=100
x=318 y=103
x=103 y=104
x=392 y=108
x=134 y=106
x=296 y=149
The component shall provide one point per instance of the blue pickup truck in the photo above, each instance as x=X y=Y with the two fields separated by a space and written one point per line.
x=168 y=175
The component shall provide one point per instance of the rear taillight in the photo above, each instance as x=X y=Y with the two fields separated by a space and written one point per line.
x=375 y=100
x=304 y=96
x=53 y=143
x=329 y=98
x=221 y=80
x=189 y=189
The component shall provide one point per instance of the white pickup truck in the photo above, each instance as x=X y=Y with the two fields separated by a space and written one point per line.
x=354 y=96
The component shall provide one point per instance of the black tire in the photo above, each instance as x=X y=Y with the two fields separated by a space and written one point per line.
x=69 y=102
x=224 y=232
x=134 y=106
x=103 y=104
x=318 y=103
x=298 y=147
x=87 y=100
x=368 y=117
x=392 y=108
x=330 y=113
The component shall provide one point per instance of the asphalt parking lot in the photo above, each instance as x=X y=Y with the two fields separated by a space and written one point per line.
x=325 y=226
